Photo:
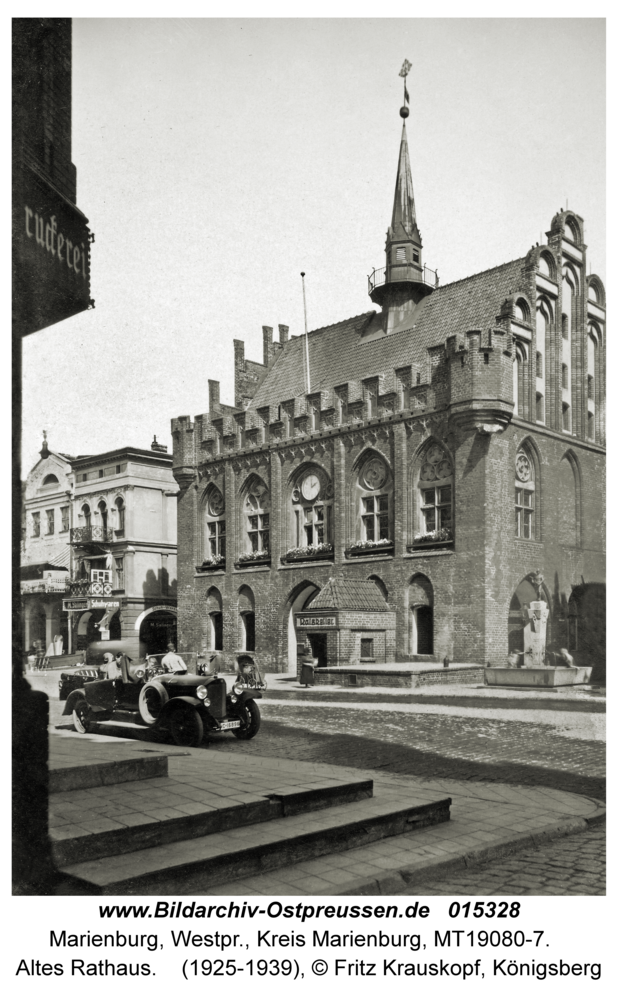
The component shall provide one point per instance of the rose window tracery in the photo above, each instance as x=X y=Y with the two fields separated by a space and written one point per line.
x=524 y=469
x=437 y=464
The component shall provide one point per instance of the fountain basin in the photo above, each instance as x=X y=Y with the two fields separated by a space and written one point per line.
x=537 y=677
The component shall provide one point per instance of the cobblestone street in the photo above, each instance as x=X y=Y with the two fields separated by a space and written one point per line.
x=475 y=749
x=573 y=866
x=564 y=750
x=429 y=745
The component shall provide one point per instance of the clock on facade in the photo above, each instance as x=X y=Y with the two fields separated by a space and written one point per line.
x=310 y=487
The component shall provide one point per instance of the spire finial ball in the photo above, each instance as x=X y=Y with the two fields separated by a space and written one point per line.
x=404 y=112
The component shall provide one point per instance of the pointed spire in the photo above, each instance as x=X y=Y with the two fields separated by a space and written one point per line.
x=404 y=212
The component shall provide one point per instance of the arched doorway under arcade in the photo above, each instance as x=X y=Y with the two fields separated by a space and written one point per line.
x=298 y=599
x=157 y=628
x=421 y=616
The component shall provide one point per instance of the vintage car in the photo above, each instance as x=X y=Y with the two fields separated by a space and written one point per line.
x=185 y=705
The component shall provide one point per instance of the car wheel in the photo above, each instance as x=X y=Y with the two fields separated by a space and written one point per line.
x=186 y=727
x=152 y=698
x=251 y=719
x=82 y=716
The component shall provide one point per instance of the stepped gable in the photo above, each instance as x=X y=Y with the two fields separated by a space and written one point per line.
x=338 y=354
x=349 y=595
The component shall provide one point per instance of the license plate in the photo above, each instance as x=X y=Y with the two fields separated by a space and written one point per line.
x=235 y=724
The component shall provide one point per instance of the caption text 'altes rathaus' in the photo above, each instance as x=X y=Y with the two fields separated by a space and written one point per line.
x=404 y=487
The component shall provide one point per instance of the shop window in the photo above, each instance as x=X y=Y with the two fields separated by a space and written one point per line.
x=525 y=511
x=36 y=524
x=49 y=516
x=64 y=517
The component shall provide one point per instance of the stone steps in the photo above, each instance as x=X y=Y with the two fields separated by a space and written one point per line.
x=196 y=865
x=131 y=819
x=112 y=824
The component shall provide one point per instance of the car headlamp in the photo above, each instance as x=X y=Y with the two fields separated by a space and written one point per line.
x=238 y=689
x=139 y=673
x=202 y=693
x=233 y=699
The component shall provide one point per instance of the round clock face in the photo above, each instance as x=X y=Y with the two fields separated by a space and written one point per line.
x=310 y=487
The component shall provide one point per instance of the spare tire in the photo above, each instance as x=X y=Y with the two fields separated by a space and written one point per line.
x=152 y=698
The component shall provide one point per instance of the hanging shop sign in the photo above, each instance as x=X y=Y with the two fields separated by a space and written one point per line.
x=303 y=620
x=88 y=604
x=51 y=257
x=75 y=605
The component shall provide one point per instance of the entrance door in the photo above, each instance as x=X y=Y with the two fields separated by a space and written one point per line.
x=424 y=627
x=318 y=647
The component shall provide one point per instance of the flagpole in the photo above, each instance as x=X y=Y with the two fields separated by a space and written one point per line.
x=302 y=274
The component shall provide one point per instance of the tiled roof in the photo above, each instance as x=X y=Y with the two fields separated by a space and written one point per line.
x=349 y=595
x=337 y=353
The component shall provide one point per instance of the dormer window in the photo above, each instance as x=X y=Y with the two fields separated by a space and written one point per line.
x=521 y=311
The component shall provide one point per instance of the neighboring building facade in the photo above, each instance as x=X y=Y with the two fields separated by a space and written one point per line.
x=440 y=450
x=99 y=553
x=45 y=551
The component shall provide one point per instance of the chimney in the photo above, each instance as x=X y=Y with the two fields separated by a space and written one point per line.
x=267 y=335
x=214 y=389
x=283 y=334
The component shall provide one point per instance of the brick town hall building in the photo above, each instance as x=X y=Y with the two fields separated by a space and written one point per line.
x=445 y=447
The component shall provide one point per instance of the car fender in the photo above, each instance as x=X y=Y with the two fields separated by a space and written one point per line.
x=249 y=695
x=74 y=697
x=174 y=702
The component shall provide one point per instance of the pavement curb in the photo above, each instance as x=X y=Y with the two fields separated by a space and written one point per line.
x=396 y=881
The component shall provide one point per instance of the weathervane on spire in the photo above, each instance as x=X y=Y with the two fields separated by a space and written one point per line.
x=405 y=69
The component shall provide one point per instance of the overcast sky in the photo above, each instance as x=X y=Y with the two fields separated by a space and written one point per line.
x=217 y=159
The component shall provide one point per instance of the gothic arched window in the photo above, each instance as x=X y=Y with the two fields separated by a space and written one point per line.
x=256 y=515
x=525 y=506
x=102 y=506
x=435 y=496
x=214 y=527
x=374 y=491
x=312 y=508
x=121 y=512
x=521 y=356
